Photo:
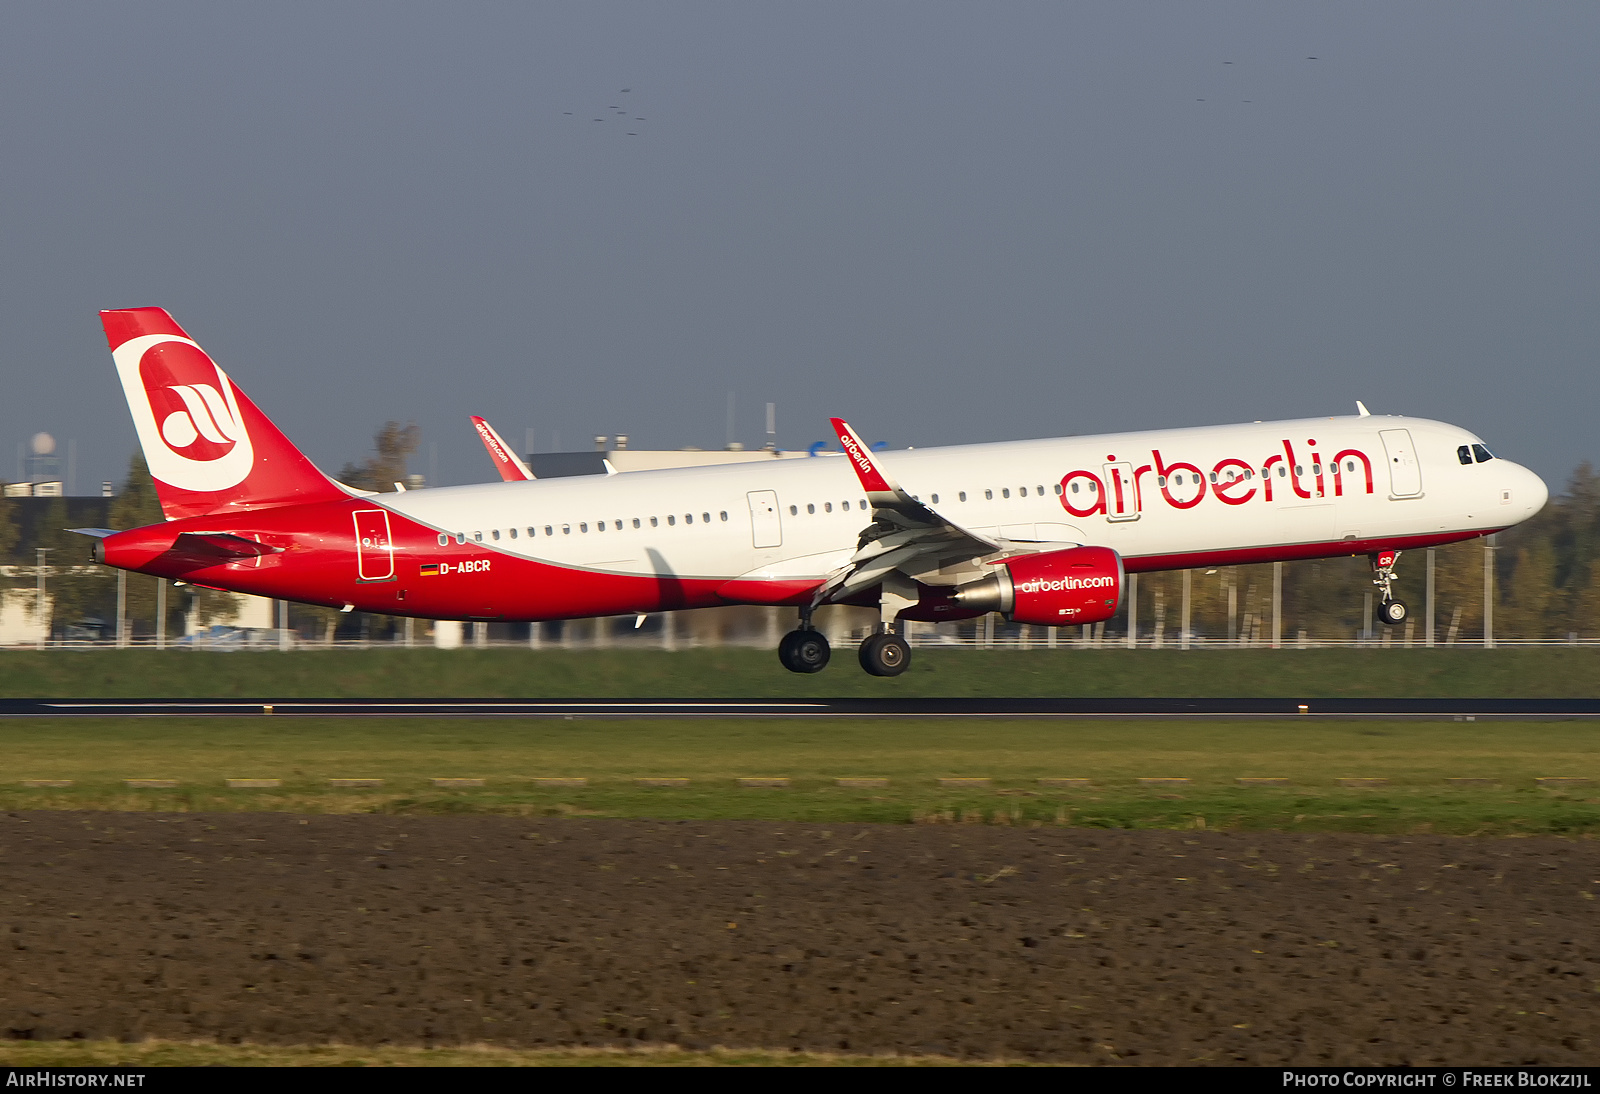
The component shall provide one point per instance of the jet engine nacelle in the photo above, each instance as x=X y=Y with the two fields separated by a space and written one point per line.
x=1055 y=588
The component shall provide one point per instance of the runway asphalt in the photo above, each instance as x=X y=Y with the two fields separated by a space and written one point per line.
x=1130 y=708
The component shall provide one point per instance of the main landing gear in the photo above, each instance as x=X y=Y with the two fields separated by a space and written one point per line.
x=1392 y=611
x=805 y=649
x=885 y=653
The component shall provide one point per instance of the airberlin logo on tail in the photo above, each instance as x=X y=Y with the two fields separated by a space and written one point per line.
x=185 y=413
x=203 y=415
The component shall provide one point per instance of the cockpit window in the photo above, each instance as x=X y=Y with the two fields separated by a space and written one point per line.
x=1464 y=454
x=1483 y=454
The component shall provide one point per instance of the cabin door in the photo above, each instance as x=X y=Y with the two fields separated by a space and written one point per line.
x=374 y=548
x=1405 y=473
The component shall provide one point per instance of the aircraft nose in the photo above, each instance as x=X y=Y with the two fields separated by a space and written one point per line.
x=1530 y=490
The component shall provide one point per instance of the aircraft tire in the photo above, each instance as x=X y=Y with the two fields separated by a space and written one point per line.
x=804 y=651
x=1392 y=613
x=885 y=655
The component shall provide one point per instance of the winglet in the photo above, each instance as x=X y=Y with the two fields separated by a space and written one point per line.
x=1361 y=409
x=873 y=480
x=506 y=462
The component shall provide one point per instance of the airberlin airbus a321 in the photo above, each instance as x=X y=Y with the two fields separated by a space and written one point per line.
x=1043 y=532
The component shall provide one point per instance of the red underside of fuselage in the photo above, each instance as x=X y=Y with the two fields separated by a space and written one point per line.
x=317 y=563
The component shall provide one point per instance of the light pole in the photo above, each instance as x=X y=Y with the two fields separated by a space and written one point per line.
x=39 y=601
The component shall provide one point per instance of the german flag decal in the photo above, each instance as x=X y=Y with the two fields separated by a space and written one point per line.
x=430 y=569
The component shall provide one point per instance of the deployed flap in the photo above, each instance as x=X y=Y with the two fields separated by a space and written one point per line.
x=506 y=462
x=904 y=535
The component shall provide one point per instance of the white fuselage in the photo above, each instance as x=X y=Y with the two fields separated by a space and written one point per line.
x=1162 y=499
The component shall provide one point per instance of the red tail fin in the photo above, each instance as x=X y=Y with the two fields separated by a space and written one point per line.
x=208 y=447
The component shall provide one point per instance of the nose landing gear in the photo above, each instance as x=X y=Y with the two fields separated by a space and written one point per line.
x=1392 y=611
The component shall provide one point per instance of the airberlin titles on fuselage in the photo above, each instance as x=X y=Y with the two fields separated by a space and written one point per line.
x=1233 y=481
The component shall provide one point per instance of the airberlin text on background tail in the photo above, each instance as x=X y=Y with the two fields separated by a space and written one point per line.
x=506 y=462
x=1044 y=532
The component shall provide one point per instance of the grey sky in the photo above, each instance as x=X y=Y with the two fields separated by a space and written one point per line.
x=947 y=222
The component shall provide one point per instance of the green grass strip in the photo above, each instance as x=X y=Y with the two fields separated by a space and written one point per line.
x=1416 y=757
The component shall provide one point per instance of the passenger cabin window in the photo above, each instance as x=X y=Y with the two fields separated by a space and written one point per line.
x=827 y=507
x=477 y=537
x=724 y=514
x=811 y=508
x=794 y=510
x=1005 y=492
x=636 y=522
x=936 y=499
x=1058 y=488
x=671 y=520
x=444 y=539
x=495 y=535
x=962 y=496
x=706 y=517
x=513 y=533
x=654 y=523
x=988 y=495
x=583 y=527
x=1483 y=454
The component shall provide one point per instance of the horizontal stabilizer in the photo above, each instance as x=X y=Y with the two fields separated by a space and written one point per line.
x=216 y=548
x=97 y=533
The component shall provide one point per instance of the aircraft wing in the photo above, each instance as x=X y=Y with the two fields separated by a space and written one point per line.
x=904 y=535
x=511 y=468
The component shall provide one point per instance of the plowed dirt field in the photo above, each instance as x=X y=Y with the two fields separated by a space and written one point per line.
x=971 y=941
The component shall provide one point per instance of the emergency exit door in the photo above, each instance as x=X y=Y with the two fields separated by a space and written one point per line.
x=1122 y=497
x=766 y=526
